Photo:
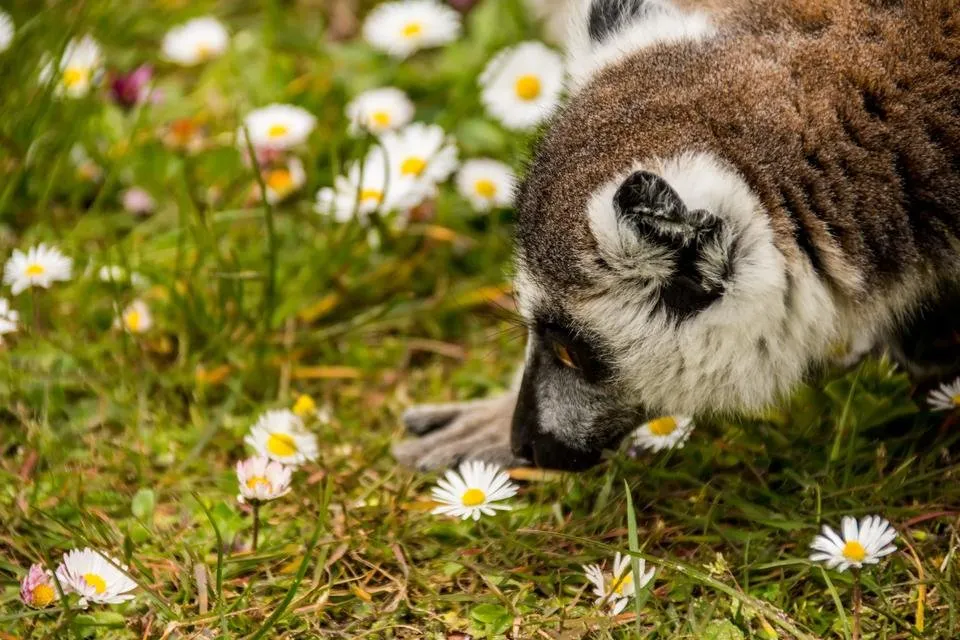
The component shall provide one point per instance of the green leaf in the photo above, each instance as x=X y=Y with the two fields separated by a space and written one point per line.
x=489 y=613
x=722 y=630
x=143 y=504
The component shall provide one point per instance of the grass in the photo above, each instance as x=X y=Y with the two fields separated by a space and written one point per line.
x=127 y=444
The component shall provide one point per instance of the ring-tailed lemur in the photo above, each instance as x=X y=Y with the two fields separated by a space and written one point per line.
x=732 y=190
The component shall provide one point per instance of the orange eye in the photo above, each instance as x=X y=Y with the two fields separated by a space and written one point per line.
x=563 y=355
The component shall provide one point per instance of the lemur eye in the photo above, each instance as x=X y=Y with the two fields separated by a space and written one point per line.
x=563 y=355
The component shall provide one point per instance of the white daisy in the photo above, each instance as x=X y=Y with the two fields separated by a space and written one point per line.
x=863 y=543
x=615 y=589
x=136 y=318
x=278 y=126
x=946 y=397
x=114 y=273
x=667 y=432
x=487 y=184
x=283 y=181
x=91 y=575
x=402 y=28
x=37 y=589
x=521 y=85
x=420 y=152
x=7 y=31
x=262 y=479
x=379 y=110
x=368 y=187
x=196 y=41
x=8 y=318
x=473 y=491
x=280 y=435
x=79 y=68
x=40 y=266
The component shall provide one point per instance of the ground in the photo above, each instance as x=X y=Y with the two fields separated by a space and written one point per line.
x=127 y=442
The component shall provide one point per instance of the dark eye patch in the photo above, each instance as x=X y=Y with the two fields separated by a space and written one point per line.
x=585 y=350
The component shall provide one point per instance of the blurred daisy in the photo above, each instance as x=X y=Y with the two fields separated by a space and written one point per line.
x=615 y=590
x=368 y=187
x=196 y=41
x=278 y=126
x=946 y=397
x=8 y=318
x=78 y=70
x=136 y=318
x=262 y=479
x=668 y=432
x=37 y=589
x=379 y=111
x=521 y=85
x=7 y=31
x=475 y=490
x=118 y=275
x=305 y=406
x=40 y=266
x=280 y=435
x=402 y=28
x=420 y=152
x=284 y=180
x=862 y=543
x=95 y=578
x=138 y=201
x=487 y=184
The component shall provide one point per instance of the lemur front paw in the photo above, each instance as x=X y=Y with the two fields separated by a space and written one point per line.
x=451 y=433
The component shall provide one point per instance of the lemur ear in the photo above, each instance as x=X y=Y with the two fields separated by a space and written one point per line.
x=653 y=208
x=609 y=16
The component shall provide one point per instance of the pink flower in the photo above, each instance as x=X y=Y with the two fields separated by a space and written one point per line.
x=37 y=589
x=130 y=89
x=138 y=201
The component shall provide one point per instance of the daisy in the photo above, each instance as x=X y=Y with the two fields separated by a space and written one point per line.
x=40 y=266
x=616 y=589
x=95 y=578
x=946 y=397
x=420 y=152
x=8 y=318
x=280 y=435
x=368 y=187
x=262 y=479
x=487 y=184
x=196 y=41
x=861 y=544
x=521 y=85
x=473 y=491
x=379 y=111
x=7 y=30
x=37 y=589
x=278 y=126
x=402 y=28
x=668 y=432
x=118 y=275
x=283 y=181
x=136 y=318
x=78 y=69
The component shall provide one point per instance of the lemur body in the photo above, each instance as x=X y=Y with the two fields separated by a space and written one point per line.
x=733 y=190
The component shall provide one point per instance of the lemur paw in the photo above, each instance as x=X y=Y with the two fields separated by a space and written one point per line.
x=451 y=433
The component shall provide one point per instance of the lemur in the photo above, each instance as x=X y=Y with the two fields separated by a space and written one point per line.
x=732 y=190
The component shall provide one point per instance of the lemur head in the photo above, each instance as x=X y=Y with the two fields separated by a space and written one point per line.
x=646 y=266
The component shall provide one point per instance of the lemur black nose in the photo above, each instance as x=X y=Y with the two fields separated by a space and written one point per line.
x=522 y=449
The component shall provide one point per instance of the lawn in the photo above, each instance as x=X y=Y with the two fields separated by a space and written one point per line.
x=195 y=304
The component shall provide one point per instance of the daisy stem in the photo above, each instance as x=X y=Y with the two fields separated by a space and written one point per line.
x=857 y=601
x=256 y=524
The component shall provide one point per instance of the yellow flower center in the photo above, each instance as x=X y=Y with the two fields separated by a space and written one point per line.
x=527 y=87
x=280 y=180
x=622 y=584
x=413 y=166
x=380 y=118
x=43 y=595
x=95 y=581
x=412 y=30
x=371 y=195
x=256 y=481
x=304 y=406
x=956 y=400
x=280 y=444
x=35 y=269
x=473 y=497
x=485 y=188
x=277 y=130
x=204 y=51
x=663 y=426
x=854 y=551
x=134 y=320
x=72 y=76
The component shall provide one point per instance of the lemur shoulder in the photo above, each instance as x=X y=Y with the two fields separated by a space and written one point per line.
x=732 y=190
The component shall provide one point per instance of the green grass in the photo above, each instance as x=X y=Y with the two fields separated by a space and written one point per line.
x=127 y=444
